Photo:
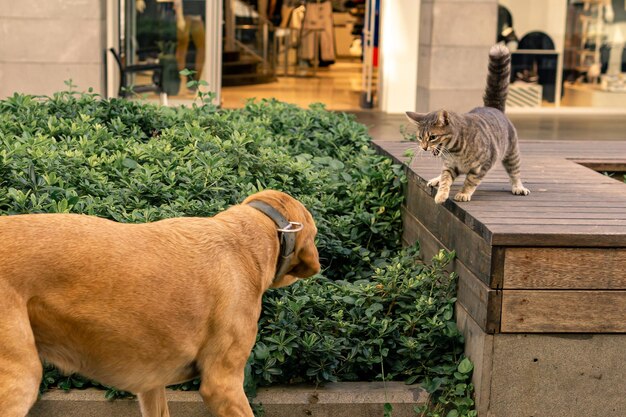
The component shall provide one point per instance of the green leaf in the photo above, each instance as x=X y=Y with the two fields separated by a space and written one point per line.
x=373 y=309
x=129 y=163
x=459 y=376
x=465 y=366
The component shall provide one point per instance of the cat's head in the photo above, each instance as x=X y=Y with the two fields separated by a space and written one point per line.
x=433 y=129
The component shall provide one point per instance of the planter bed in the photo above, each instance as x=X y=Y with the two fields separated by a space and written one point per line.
x=343 y=399
x=542 y=289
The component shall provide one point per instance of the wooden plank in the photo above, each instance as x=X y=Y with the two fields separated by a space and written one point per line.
x=489 y=210
x=504 y=214
x=481 y=302
x=497 y=266
x=554 y=191
x=563 y=311
x=529 y=204
x=548 y=170
x=557 y=184
x=614 y=165
x=479 y=348
x=414 y=232
x=574 y=198
x=471 y=243
x=538 y=221
x=543 y=151
x=565 y=268
x=589 y=149
x=558 y=235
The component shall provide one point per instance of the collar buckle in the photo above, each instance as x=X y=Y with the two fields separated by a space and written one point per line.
x=292 y=227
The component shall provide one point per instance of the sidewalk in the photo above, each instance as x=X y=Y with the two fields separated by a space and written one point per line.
x=384 y=126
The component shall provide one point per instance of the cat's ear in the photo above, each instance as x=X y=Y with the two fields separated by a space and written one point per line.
x=443 y=118
x=416 y=117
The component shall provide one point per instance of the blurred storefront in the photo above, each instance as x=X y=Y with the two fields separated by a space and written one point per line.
x=567 y=54
x=387 y=55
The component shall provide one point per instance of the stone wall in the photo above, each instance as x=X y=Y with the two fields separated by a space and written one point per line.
x=44 y=43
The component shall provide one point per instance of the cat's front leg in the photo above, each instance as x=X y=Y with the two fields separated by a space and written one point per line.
x=445 y=182
x=472 y=179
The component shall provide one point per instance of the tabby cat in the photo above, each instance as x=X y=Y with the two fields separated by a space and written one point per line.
x=471 y=143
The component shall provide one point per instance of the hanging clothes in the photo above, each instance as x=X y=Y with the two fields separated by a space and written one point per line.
x=318 y=21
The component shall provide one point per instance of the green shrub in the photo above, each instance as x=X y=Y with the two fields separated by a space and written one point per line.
x=374 y=308
x=135 y=162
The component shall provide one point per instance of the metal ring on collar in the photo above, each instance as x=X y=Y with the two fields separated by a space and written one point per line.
x=292 y=227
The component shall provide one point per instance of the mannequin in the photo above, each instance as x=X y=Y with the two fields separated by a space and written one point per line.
x=140 y=5
x=190 y=24
x=616 y=39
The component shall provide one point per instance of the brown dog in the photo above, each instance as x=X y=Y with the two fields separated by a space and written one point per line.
x=142 y=306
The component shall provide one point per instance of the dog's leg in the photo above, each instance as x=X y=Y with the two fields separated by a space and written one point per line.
x=153 y=403
x=223 y=372
x=224 y=396
x=20 y=367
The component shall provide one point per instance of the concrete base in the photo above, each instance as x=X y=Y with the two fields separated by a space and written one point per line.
x=546 y=375
x=345 y=399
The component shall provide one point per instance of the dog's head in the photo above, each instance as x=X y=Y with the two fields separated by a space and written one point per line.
x=305 y=262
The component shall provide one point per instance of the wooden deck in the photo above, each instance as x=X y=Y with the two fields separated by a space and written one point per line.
x=553 y=261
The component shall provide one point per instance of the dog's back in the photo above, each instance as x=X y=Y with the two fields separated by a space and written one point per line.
x=69 y=270
x=141 y=306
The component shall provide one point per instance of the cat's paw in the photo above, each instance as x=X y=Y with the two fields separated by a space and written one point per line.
x=462 y=197
x=434 y=182
x=520 y=190
x=440 y=198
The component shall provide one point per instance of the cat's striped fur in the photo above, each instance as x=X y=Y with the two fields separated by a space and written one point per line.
x=470 y=143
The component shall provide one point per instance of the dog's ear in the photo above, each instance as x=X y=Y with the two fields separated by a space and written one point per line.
x=306 y=261
x=306 y=251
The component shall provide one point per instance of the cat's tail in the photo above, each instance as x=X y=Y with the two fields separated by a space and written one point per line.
x=498 y=77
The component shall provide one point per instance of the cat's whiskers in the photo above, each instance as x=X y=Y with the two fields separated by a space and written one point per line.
x=444 y=153
x=414 y=153
x=428 y=153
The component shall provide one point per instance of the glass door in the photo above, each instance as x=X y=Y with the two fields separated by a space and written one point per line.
x=160 y=38
x=370 y=52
